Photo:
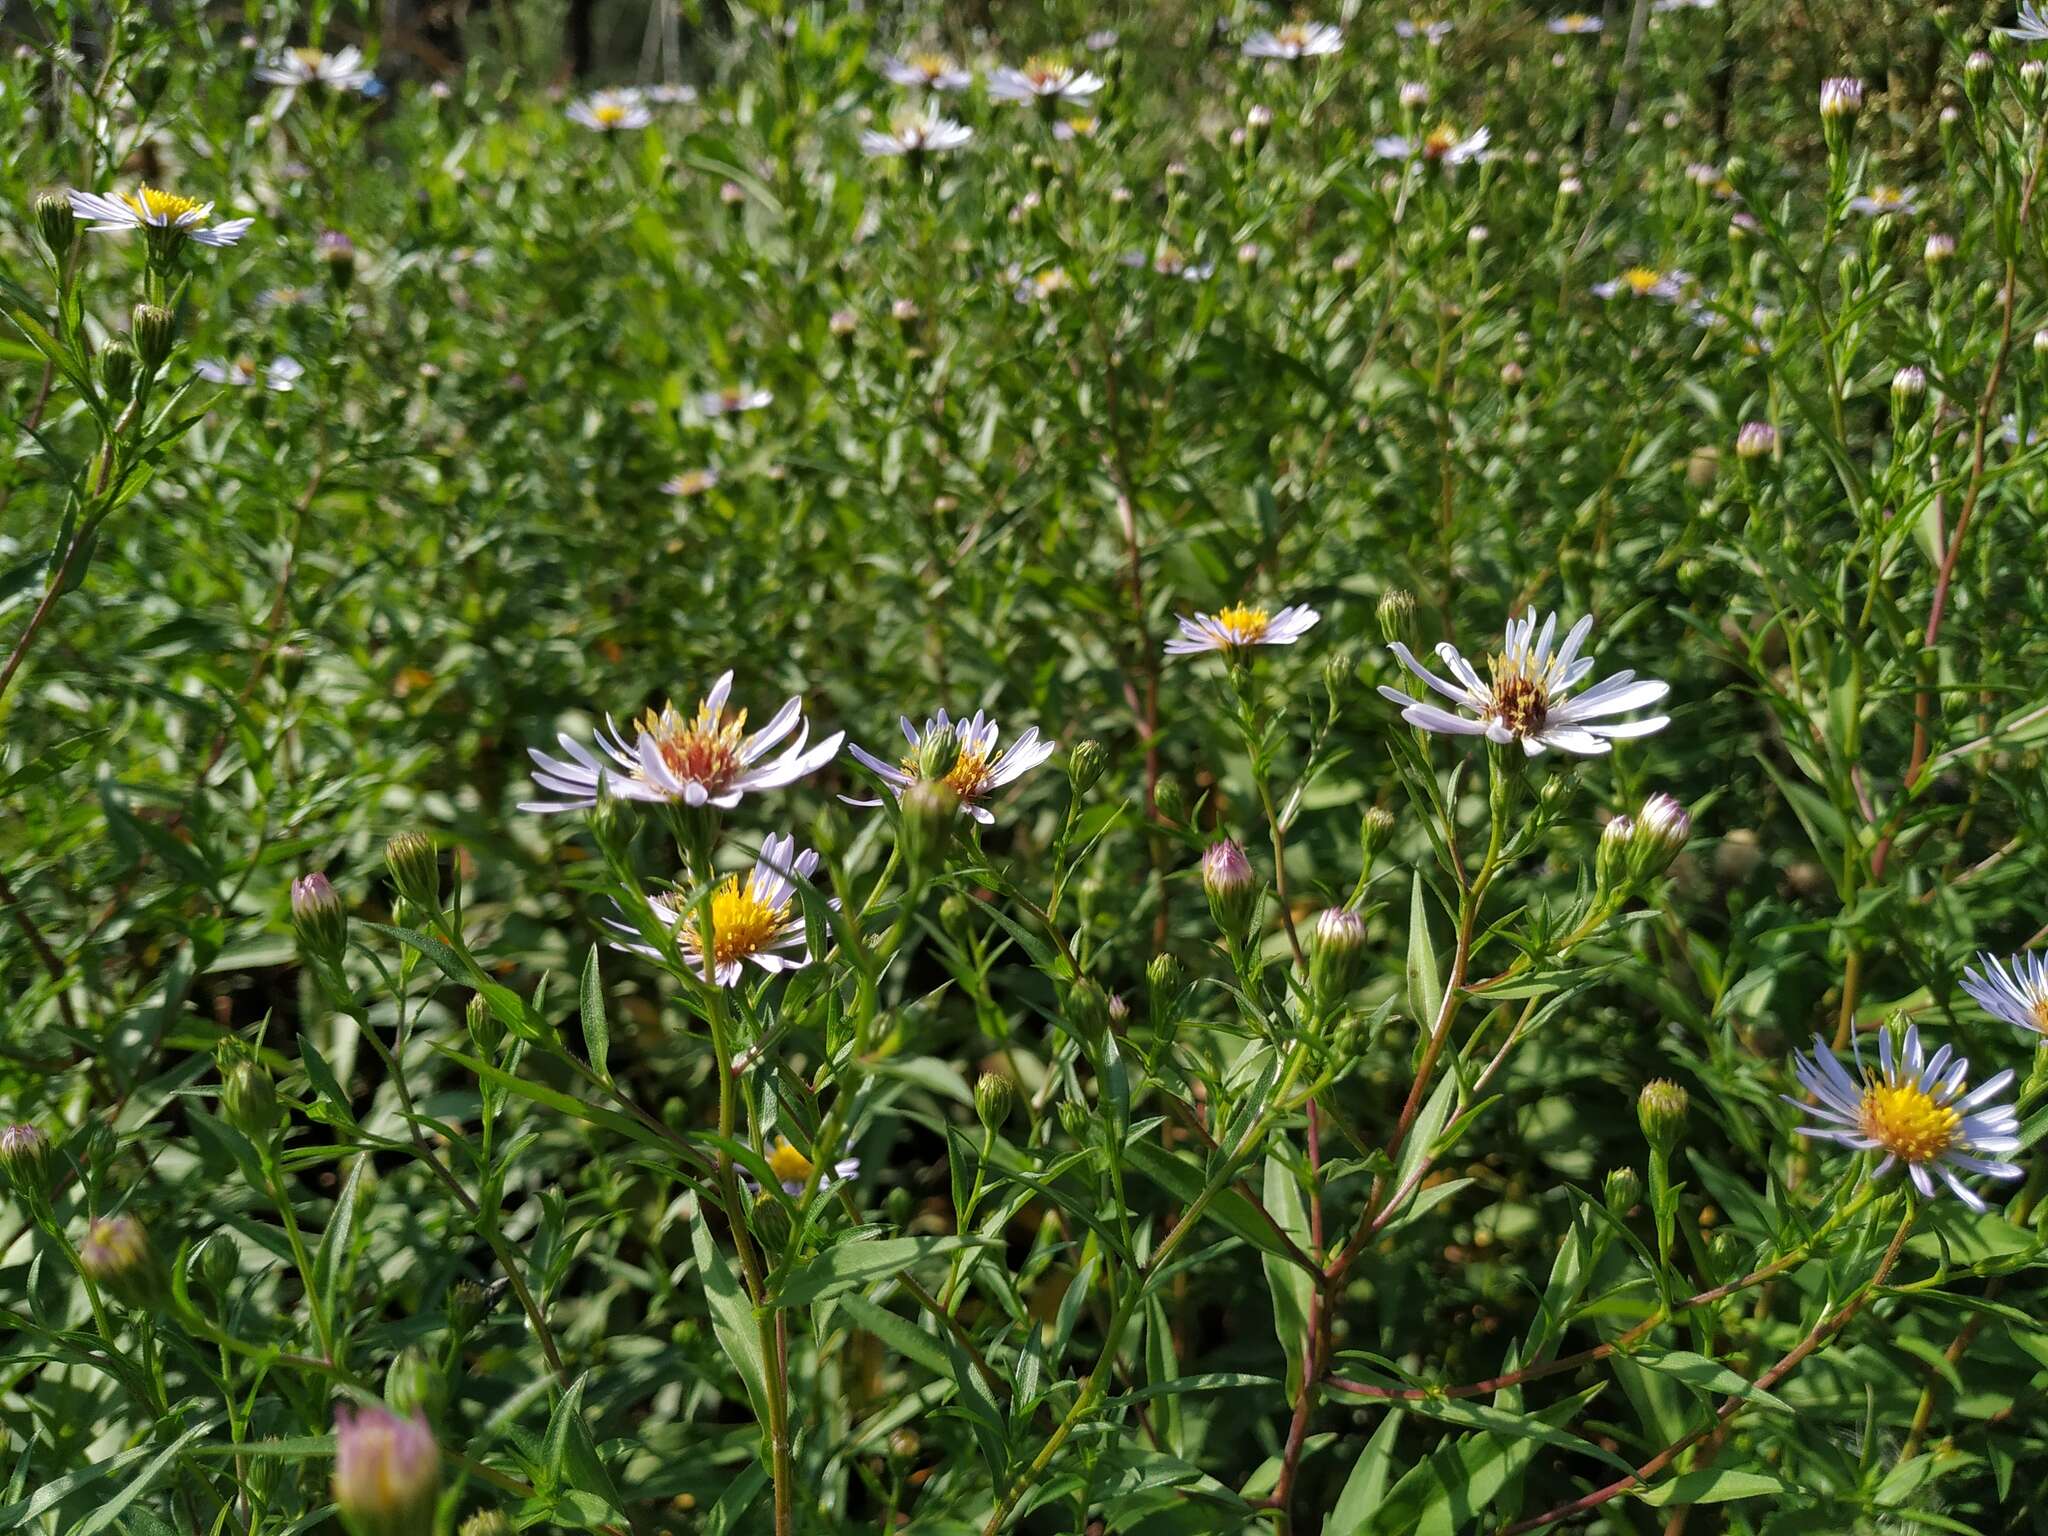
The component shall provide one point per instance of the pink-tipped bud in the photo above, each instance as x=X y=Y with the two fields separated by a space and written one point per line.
x=1756 y=440
x=387 y=1472
x=1661 y=829
x=1227 y=879
x=1841 y=97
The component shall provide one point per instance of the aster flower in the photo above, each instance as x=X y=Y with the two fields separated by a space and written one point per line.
x=1914 y=1111
x=279 y=375
x=1645 y=283
x=1440 y=146
x=1239 y=626
x=2029 y=27
x=792 y=1170
x=977 y=772
x=2015 y=990
x=691 y=482
x=1068 y=129
x=1429 y=31
x=926 y=134
x=164 y=215
x=1577 y=24
x=702 y=759
x=1043 y=80
x=341 y=71
x=755 y=918
x=610 y=112
x=1525 y=700
x=734 y=400
x=932 y=71
x=1880 y=201
x=1297 y=40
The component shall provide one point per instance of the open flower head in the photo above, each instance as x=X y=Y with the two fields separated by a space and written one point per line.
x=1914 y=1110
x=387 y=1470
x=1296 y=40
x=1575 y=24
x=755 y=918
x=2029 y=26
x=1241 y=625
x=673 y=758
x=610 y=112
x=1442 y=145
x=339 y=71
x=793 y=1170
x=1526 y=697
x=1430 y=30
x=1043 y=79
x=927 y=70
x=2015 y=990
x=1880 y=202
x=1645 y=283
x=279 y=375
x=926 y=133
x=735 y=400
x=164 y=215
x=977 y=771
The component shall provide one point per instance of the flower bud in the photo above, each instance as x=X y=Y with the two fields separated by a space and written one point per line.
x=1909 y=389
x=1624 y=1191
x=1940 y=247
x=1661 y=1110
x=317 y=915
x=413 y=1386
x=1169 y=801
x=994 y=1097
x=1661 y=828
x=607 y=819
x=1414 y=95
x=1085 y=764
x=117 y=370
x=898 y=1206
x=843 y=324
x=1087 y=1010
x=1511 y=373
x=154 y=331
x=482 y=1023
x=1611 y=859
x=1841 y=98
x=1756 y=440
x=409 y=860
x=57 y=224
x=930 y=811
x=2033 y=77
x=1336 y=953
x=1375 y=831
x=937 y=752
x=26 y=1162
x=1227 y=879
x=486 y=1522
x=1977 y=78
x=387 y=1472
x=117 y=1255
x=468 y=1304
x=1075 y=1119
x=1166 y=982
x=1396 y=613
x=248 y=1098
x=339 y=252
x=215 y=1263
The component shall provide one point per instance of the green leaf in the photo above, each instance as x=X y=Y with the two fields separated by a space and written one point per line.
x=732 y=1319
x=1366 y=1487
x=597 y=1031
x=1712 y=1485
x=1707 y=1375
x=855 y=1263
x=1425 y=990
x=1291 y=1287
x=107 y=1513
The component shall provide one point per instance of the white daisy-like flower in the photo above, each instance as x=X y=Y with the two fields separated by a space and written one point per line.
x=691 y=482
x=280 y=374
x=1880 y=201
x=160 y=213
x=1577 y=24
x=733 y=401
x=977 y=773
x=1914 y=1110
x=1239 y=626
x=792 y=1170
x=1068 y=129
x=755 y=918
x=1430 y=31
x=928 y=71
x=1297 y=40
x=1525 y=700
x=2015 y=990
x=295 y=67
x=1043 y=80
x=695 y=760
x=2029 y=26
x=1170 y=263
x=610 y=112
x=1042 y=285
x=1645 y=283
x=1440 y=146
x=926 y=134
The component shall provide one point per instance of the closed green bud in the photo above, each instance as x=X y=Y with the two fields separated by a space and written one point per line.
x=57 y=224
x=994 y=1097
x=899 y=1206
x=413 y=1385
x=1169 y=801
x=409 y=860
x=1085 y=765
x=468 y=1304
x=955 y=912
x=1336 y=953
x=1375 y=831
x=1087 y=1010
x=26 y=1162
x=154 y=330
x=117 y=370
x=937 y=752
x=485 y=1030
x=1624 y=1190
x=1228 y=883
x=1661 y=1110
x=317 y=916
x=1396 y=615
x=116 y=1253
x=216 y=1263
x=1611 y=860
x=930 y=812
x=1166 y=981
x=248 y=1098
x=1339 y=668
x=1075 y=1119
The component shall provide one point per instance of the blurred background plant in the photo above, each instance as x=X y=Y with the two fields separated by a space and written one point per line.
x=1127 y=1185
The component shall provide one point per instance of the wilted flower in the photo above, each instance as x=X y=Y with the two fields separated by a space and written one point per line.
x=733 y=401
x=1880 y=201
x=1525 y=700
x=1044 y=80
x=1241 y=625
x=931 y=71
x=2015 y=990
x=167 y=217
x=340 y=71
x=610 y=112
x=977 y=771
x=1914 y=1111
x=1841 y=96
x=1297 y=40
x=926 y=134
x=754 y=917
x=1645 y=283
x=1575 y=24
x=703 y=759
x=1440 y=146
x=387 y=1471
x=1756 y=439
x=280 y=374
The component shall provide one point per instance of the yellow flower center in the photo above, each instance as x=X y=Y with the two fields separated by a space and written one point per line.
x=1641 y=280
x=2040 y=1011
x=609 y=113
x=1904 y=1119
x=1082 y=127
x=930 y=65
x=1045 y=71
x=705 y=749
x=743 y=921
x=312 y=58
x=1440 y=142
x=1243 y=625
x=787 y=1164
x=1294 y=35
x=1887 y=197
x=968 y=777
x=1052 y=280
x=1576 y=20
x=166 y=207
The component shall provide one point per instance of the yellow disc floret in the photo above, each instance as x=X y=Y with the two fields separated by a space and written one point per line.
x=744 y=921
x=787 y=1164
x=160 y=207
x=705 y=749
x=1243 y=625
x=1905 y=1120
x=1642 y=280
